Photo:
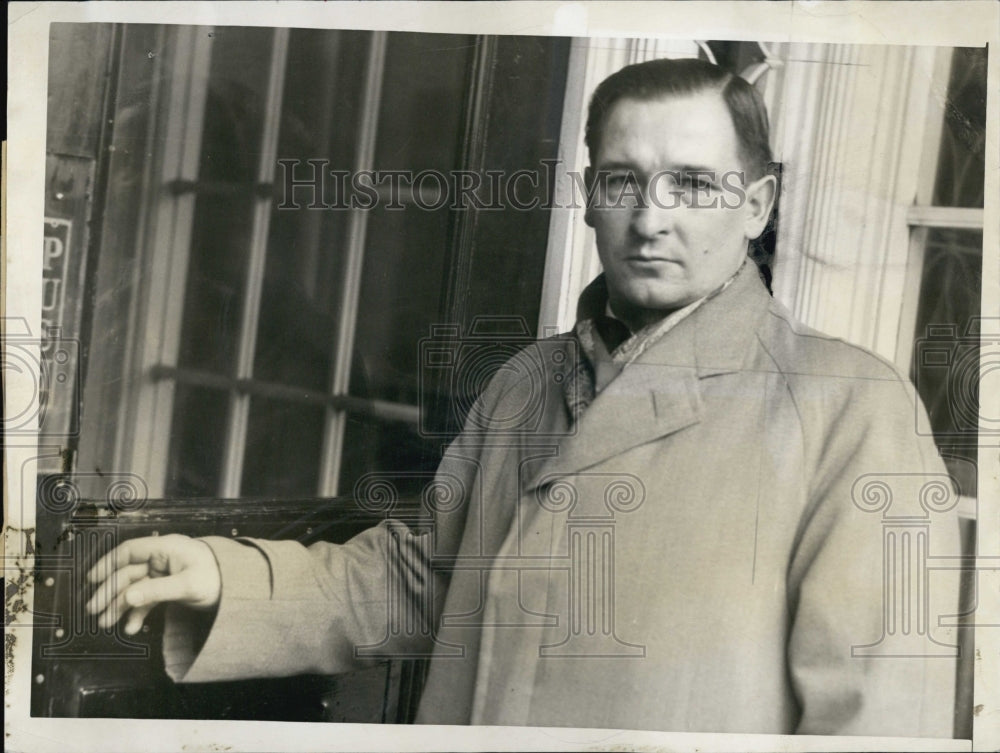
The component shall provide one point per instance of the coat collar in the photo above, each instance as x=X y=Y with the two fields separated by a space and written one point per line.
x=659 y=393
x=727 y=326
x=714 y=339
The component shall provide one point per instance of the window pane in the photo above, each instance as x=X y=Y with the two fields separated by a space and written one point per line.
x=221 y=233
x=959 y=179
x=196 y=442
x=422 y=104
x=237 y=98
x=946 y=363
x=284 y=440
x=401 y=295
x=213 y=297
x=394 y=449
x=303 y=277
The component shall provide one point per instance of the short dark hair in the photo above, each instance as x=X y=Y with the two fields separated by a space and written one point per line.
x=656 y=79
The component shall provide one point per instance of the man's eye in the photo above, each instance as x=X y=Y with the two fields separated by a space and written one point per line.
x=698 y=182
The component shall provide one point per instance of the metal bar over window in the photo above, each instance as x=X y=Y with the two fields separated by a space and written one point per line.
x=380 y=409
x=220 y=188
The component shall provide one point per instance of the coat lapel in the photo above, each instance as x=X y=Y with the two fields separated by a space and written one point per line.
x=726 y=326
x=660 y=393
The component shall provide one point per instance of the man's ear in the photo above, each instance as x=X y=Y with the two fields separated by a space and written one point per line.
x=588 y=181
x=760 y=197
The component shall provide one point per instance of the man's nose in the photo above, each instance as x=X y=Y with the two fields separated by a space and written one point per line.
x=653 y=217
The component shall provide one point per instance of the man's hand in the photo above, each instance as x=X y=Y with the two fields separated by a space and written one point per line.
x=141 y=573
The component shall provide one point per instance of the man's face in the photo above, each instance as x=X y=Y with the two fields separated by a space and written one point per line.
x=680 y=229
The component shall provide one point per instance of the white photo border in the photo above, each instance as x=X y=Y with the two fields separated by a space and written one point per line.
x=960 y=23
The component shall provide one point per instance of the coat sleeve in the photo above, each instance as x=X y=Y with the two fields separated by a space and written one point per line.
x=289 y=609
x=867 y=654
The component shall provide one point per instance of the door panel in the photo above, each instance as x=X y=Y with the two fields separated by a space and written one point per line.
x=81 y=670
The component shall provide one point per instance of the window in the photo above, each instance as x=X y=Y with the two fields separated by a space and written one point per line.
x=253 y=332
x=286 y=364
x=297 y=329
x=946 y=258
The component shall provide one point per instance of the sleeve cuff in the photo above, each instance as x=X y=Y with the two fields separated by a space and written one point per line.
x=189 y=635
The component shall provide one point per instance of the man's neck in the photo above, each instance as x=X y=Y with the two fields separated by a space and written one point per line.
x=636 y=318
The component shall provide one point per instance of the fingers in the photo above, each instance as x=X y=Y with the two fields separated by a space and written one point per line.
x=144 y=595
x=141 y=573
x=136 y=617
x=156 y=590
x=116 y=581
x=132 y=562
x=129 y=553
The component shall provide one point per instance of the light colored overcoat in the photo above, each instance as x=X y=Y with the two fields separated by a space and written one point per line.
x=733 y=538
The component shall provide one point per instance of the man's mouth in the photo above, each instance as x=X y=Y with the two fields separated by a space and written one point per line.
x=642 y=259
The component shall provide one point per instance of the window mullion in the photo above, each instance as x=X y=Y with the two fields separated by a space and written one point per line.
x=964 y=218
x=239 y=403
x=144 y=445
x=936 y=104
x=333 y=431
x=911 y=302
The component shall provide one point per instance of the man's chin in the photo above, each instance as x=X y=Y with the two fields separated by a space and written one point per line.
x=641 y=308
x=657 y=298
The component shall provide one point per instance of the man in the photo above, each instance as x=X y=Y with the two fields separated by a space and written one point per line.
x=682 y=536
